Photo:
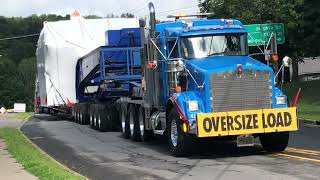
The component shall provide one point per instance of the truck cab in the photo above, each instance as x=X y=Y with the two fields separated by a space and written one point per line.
x=211 y=87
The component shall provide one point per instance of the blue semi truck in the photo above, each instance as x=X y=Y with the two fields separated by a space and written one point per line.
x=186 y=80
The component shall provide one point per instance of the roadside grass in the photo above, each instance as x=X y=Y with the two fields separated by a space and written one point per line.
x=21 y=116
x=309 y=103
x=33 y=160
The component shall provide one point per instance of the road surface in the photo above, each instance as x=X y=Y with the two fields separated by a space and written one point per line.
x=99 y=155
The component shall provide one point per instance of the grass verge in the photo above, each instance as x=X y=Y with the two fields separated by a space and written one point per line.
x=21 y=116
x=33 y=160
x=309 y=103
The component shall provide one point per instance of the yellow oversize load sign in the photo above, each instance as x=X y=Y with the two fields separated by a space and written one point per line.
x=247 y=122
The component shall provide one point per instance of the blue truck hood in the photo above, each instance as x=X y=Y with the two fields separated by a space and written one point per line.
x=220 y=63
x=201 y=69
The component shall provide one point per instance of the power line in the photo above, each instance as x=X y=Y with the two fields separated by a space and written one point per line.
x=131 y=11
x=19 y=37
x=137 y=8
x=172 y=10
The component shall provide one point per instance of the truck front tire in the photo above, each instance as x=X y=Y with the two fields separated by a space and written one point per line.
x=180 y=143
x=274 y=142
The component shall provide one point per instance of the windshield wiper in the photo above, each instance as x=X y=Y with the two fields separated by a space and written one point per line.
x=216 y=54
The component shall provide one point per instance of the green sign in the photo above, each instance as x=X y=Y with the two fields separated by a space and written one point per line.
x=259 y=34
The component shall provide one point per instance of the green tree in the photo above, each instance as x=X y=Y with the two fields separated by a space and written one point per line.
x=17 y=61
x=265 y=11
x=311 y=27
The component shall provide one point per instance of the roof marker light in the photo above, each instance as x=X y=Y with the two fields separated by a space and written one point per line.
x=229 y=21
x=189 y=24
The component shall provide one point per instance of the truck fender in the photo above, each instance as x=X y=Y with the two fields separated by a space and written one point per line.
x=173 y=103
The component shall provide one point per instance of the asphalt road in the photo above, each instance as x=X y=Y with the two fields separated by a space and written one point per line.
x=109 y=156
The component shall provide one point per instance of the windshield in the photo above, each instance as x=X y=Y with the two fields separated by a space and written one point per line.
x=214 y=45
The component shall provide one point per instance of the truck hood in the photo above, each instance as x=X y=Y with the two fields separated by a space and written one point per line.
x=220 y=63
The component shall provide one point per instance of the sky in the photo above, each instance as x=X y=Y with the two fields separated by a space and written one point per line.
x=97 y=7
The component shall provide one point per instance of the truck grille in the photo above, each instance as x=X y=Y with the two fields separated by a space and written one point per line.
x=231 y=92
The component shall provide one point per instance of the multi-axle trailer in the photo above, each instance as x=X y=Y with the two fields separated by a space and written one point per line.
x=187 y=79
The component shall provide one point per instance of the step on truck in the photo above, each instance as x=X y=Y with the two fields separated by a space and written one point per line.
x=187 y=79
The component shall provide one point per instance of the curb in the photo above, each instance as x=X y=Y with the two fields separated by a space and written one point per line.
x=24 y=121
x=309 y=121
x=46 y=154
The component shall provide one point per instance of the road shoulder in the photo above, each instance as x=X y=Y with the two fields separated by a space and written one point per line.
x=37 y=164
x=10 y=169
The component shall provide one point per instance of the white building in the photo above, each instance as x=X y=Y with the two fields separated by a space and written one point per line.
x=309 y=69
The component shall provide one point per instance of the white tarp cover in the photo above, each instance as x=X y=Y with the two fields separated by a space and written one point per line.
x=60 y=45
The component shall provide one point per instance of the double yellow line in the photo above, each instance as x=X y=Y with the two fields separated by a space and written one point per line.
x=301 y=153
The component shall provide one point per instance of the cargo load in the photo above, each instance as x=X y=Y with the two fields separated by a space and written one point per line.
x=60 y=45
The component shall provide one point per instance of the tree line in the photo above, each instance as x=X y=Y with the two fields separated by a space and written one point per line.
x=17 y=58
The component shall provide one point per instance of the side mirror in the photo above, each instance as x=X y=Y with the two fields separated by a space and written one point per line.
x=287 y=62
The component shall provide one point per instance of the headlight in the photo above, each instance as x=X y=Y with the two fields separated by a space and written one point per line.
x=281 y=100
x=193 y=106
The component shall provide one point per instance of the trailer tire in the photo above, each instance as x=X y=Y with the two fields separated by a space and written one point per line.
x=76 y=115
x=105 y=119
x=80 y=109
x=274 y=142
x=83 y=114
x=41 y=110
x=98 y=119
x=96 y=116
x=145 y=135
x=134 y=123
x=125 y=125
x=114 y=119
x=180 y=143
x=91 y=115
x=79 y=114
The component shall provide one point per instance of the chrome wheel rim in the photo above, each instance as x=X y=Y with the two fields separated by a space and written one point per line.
x=80 y=117
x=123 y=121
x=131 y=123
x=99 y=122
x=174 y=133
x=91 y=118
x=141 y=124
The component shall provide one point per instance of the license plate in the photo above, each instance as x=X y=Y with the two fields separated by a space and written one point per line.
x=245 y=140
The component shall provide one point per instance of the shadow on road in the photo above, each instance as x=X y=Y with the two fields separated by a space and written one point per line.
x=204 y=149
x=48 y=117
x=209 y=149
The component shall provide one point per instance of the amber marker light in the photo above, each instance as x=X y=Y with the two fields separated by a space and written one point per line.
x=275 y=57
x=184 y=127
x=150 y=66
x=178 y=89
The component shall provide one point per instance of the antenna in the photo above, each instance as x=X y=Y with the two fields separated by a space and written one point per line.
x=199 y=16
